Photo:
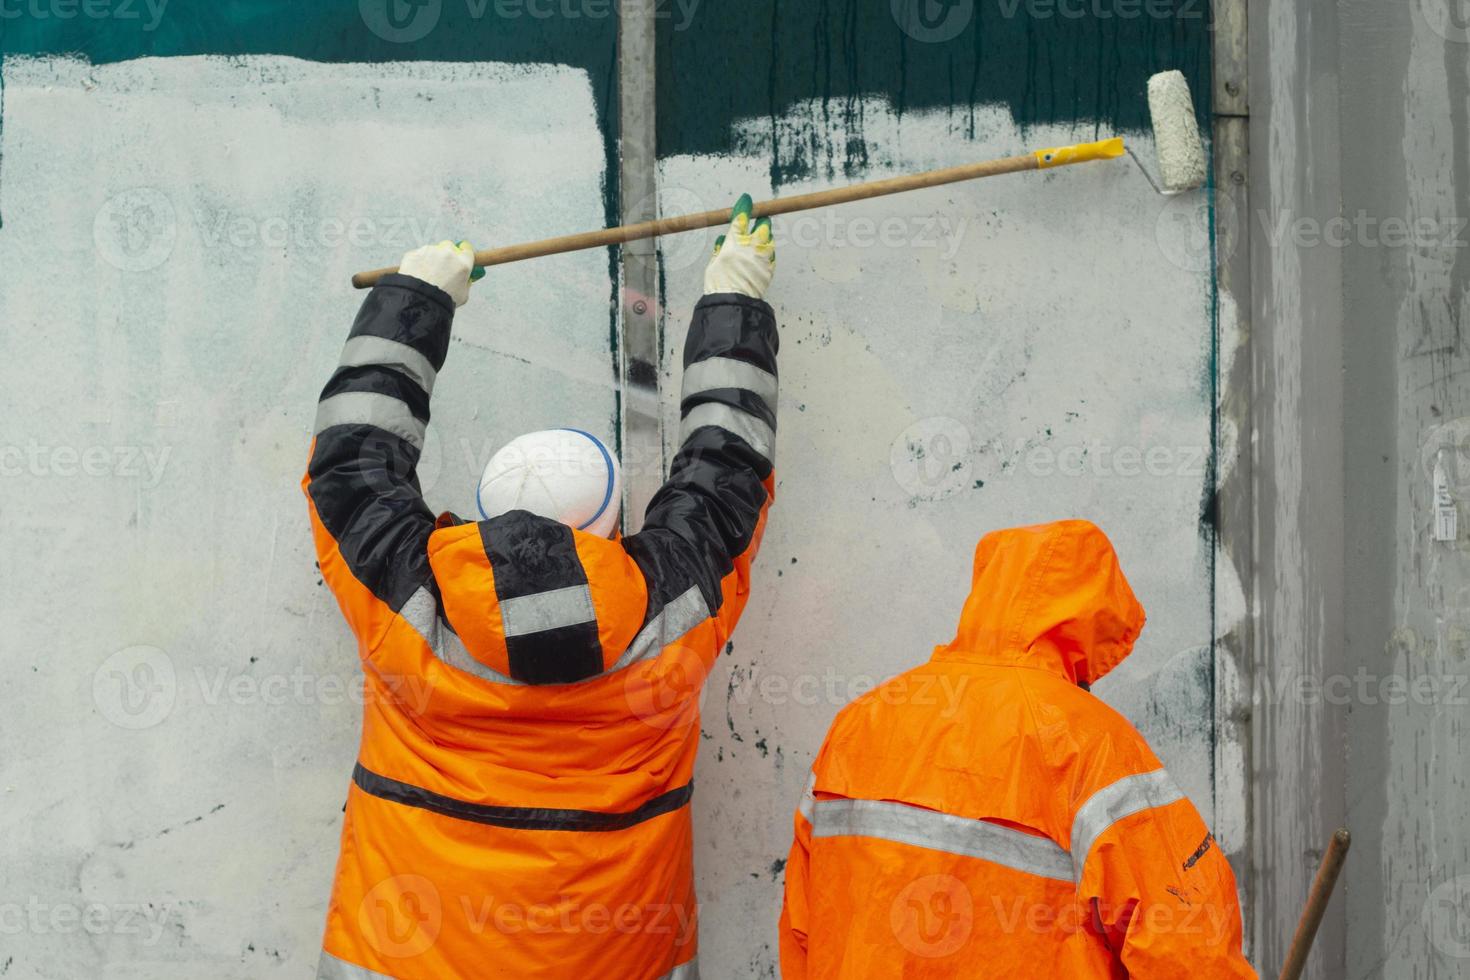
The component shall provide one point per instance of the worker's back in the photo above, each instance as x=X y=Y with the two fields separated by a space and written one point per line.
x=520 y=805
x=983 y=815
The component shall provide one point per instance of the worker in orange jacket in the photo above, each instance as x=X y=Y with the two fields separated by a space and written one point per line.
x=983 y=815
x=520 y=803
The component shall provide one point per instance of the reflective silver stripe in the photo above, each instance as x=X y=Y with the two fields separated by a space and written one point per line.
x=943 y=832
x=685 y=971
x=674 y=620
x=381 y=352
x=726 y=372
x=547 y=610
x=422 y=613
x=1129 y=795
x=331 y=968
x=761 y=437
x=808 y=798
x=370 y=408
x=451 y=650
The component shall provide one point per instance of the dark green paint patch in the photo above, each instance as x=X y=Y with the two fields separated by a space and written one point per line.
x=808 y=65
x=323 y=30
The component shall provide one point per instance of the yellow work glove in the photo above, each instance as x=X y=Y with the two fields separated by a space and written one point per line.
x=745 y=256
x=447 y=265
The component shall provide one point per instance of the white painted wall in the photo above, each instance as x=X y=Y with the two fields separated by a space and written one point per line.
x=177 y=736
x=178 y=235
x=1019 y=332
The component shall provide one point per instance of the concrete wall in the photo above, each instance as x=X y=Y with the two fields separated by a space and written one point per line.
x=1296 y=352
x=179 y=723
x=181 y=716
x=978 y=370
x=1361 y=189
x=1407 y=405
x=953 y=362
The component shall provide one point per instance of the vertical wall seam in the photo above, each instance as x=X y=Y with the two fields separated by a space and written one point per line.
x=640 y=425
x=1232 y=479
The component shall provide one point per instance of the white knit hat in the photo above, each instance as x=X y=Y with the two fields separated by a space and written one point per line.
x=565 y=474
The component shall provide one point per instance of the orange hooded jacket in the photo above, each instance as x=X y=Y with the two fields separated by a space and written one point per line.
x=520 y=804
x=985 y=816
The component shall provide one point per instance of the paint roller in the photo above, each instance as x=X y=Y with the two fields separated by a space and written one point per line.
x=1176 y=135
x=1177 y=143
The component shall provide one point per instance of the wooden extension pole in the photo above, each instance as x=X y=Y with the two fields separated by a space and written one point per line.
x=1317 y=899
x=1040 y=160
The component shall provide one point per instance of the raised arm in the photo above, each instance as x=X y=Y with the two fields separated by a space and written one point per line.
x=704 y=525
x=536 y=601
x=368 y=516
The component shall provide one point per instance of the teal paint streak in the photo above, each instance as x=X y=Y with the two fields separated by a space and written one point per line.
x=338 y=31
x=808 y=65
x=325 y=30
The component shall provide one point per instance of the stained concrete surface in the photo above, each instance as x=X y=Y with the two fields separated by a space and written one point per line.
x=180 y=713
x=953 y=361
x=1361 y=180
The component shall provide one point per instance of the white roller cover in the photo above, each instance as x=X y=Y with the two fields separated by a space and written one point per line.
x=1176 y=133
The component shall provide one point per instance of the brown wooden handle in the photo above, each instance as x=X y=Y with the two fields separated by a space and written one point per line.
x=709 y=219
x=1316 y=907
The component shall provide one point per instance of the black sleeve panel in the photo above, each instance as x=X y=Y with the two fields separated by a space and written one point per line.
x=362 y=475
x=732 y=325
x=705 y=516
x=367 y=495
x=741 y=398
x=410 y=311
x=380 y=380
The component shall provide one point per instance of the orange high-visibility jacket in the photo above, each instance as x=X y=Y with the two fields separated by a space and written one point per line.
x=520 y=804
x=985 y=816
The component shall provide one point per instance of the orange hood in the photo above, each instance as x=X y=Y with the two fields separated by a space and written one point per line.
x=1051 y=596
